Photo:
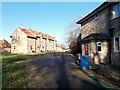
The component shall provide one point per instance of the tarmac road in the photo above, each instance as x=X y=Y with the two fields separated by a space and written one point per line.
x=58 y=71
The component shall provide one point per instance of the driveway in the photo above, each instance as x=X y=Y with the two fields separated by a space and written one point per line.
x=58 y=71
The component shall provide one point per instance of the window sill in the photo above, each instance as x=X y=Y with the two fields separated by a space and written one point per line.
x=100 y=52
x=115 y=18
x=117 y=51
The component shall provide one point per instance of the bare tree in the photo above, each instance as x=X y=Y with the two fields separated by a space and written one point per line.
x=73 y=31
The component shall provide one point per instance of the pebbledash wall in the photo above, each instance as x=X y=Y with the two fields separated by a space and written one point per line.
x=97 y=24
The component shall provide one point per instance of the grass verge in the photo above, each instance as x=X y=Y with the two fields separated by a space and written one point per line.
x=13 y=71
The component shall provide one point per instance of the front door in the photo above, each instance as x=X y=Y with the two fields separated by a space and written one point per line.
x=86 y=49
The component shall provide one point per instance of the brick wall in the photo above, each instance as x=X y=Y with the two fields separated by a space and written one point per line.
x=102 y=57
x=100 y=25
x=115 y=56
x=96 y=26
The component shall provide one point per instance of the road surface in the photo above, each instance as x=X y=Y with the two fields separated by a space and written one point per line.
x=58 y=71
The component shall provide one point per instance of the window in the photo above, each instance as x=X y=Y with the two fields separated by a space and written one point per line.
x=86 y=49
x=99 y=47
x=97 y=17
x=18 y=37
x=14 y=46
x=49 y=41
x=31 y=47
x=115 y=12
x=117 y=44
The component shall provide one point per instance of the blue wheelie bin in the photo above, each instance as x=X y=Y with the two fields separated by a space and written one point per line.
x=84 y=63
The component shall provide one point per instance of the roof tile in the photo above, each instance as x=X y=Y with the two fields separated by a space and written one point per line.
x=50 y=37
x=28 y=33
x=33 y=33
x=44 y=35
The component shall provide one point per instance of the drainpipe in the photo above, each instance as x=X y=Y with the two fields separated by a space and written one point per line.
x=79 y=47
x=110 y=46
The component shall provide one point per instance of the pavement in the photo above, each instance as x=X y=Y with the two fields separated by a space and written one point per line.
x=60 y=71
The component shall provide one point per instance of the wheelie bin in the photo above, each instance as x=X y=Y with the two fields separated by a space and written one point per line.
x=84 y=63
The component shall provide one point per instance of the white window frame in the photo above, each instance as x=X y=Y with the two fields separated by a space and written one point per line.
x=112 y=11
x=96 y=16
x=101 y=47
x=115 y=44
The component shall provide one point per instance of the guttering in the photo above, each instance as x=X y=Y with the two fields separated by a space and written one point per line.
x=100 y=8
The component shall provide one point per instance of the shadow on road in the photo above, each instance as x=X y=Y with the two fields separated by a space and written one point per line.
x=56 y=71
x=75 y=82
x=62 y=81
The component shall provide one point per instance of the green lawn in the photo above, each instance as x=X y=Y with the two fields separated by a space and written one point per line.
x=13 y=71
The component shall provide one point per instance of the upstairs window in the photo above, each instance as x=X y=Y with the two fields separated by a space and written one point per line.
x=117 y=44
x=115 y=11
x=49 y=41
x=14 y=46
x=99 y=47
x=31 y=47
x=96 y=17
x=18 y=37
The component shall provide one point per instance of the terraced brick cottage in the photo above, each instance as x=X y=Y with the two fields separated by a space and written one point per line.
x=100 y=34
x=30 y=41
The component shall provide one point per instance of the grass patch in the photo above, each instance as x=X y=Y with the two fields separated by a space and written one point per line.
x=13 y=71
x=49 y=53
x=67 y=54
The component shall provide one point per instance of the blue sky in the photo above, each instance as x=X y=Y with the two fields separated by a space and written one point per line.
x=47 y=17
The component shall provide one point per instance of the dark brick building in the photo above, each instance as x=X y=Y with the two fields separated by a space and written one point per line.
x=100 y=34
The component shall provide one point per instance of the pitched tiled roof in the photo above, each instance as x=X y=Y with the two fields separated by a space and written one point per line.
x=50 y=37
x=33 y=33
x=28 y=33
x=95 y=36
x=44 y=35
